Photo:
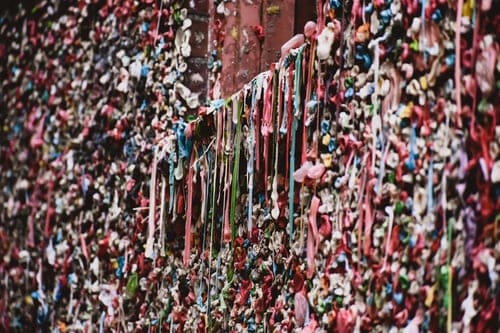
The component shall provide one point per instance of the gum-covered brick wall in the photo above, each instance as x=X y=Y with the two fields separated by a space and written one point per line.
x=352 y=187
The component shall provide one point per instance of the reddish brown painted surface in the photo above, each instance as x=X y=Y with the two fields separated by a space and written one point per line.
x=249 y=50
x=278 y=21
x=304 y=11
x=243 y=55
x=229 y=53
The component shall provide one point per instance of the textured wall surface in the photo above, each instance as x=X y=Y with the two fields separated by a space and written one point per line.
x=254 y=33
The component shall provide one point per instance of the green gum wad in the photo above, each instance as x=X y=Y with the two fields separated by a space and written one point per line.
x=273 y=10
x=404 y=281
x=391 y=177
x=321 y=307
x=132 y=285
x=443 y=281
x=414 y=46
x=399 y=208
x=348 y=82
